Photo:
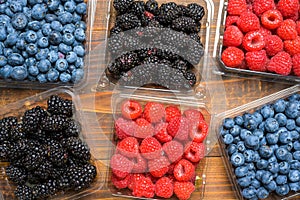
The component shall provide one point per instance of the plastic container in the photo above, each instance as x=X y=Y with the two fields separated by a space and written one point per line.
x=239 y=111
x=18 y=108
x=89 y=19
x=236 y=72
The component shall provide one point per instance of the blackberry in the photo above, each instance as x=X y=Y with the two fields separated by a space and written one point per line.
x=128 y=21
x=44 y=190
x=168 y=12
x=8 y=122
x=54 y=123
x=168 y=52
x=196 y=37
x=152 y=7
x=122 y=6
x=56 y=153
x=130 y=43
x=32 y=160
x=4 y=134
x=32 y=118
x=152 y=30
x=39 y=135
x=24 y=192
x=44 y=171
x=178 y=81
x=115 y=31
x=77 y=148
x=162 y=75
x=115 y=70
x=16 y=174
x=151 y=60
x=73 y=129
x=182 y=10
x=191 y=78
x=4 y=150
x=176 y=39
x=115 y=44
x=194 y=53
x=56 y=135
x=145 y=52
x=58 y=105
x=165 y=62
x=195 y=11
x=137 y=8
x=185 y=24
x=17 y=149
x=180 y=65
x=139 y=76
x=17 y=133
x=127 y=61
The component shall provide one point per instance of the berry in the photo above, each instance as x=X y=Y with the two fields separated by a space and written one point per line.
x=281 y=63
x=232 y=57
x=260 y=6
x=296 y=64
x=199 y=132
x=194 y=151
x=140 y=164
x=288 y=8
x=248 y=22
x=150 y=148
x=120 y=183
x=32 y=119
x=58 y=105
x=168 y=12
x=134 y=177
x=273 y=45
x=179 y=128
x=124 y=128
x=164 y=187
x=158 y=167
x=253 y=41
x=74 y=129
x=236 y=7
x=76 y=147
x=143 y=128
x=16 y=174
x=56 y=154
x=271 y=19
x=120 y=165
x=161 y=133
x=122 y=5
x=195 y=11
x=152 y=7
x=143 y=187
x=256 y=60
x=131 y=109
x=292 y=46
x=173 y=150
x=184 y=170
x=183 y=190
x=128 y=147
x=193 y=115
x=287 y=30
x=231 y=20
x=185 y=24
x=172 y=112
x=154 y=112
x=232 y=36
x=24 y=192
x=298 y=27
x=265 y=32
x=127 y=21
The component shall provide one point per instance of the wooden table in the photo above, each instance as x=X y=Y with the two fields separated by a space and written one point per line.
x=238 y=92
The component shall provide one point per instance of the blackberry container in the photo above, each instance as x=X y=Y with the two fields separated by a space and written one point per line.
x=18 y=108
x=236 y=72
x=239 y=111
x=89 y=18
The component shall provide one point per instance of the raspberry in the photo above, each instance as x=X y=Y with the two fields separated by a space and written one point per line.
x=199 y=132
x=154 y=112
x=161 y=133
x=143 y=188
x=194 y=151
x=120 y=165
x=288 y=8
x=164 y=187
x=173 y=150
x=134 y=178
x=179 y=128
x=139 y=165
x=253 y=41
x=256 y=60
x=281 y=63
x=128 y=147
x=171 y=169
x=120 y=183
x=231 y=20
x=158 y=167
x=298 y=27
x=183 y=190
x=236 y=7
x=248 y=22
x=232 y=36
x=124 y=128
x=184 y=170
x=232 y=57
x=296 y=64
x=273 y=45
x=143 y=129
x=193 y=115
x=131 y=109
x=172 y=112
x=271 y=19
x=150 y=148
x=287 y=30
x=265 y=32
x=292 y=46
x=261 y=6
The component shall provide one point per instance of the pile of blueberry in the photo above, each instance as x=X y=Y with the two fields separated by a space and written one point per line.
x=263 y=148
x=42 y=40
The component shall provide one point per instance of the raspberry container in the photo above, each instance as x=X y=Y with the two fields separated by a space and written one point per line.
x=18 y=108
x=89 y=18
x=239 y=111
x=236 y=72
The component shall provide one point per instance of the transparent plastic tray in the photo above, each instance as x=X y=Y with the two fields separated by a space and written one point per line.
x=18 y=108
x=248 y=108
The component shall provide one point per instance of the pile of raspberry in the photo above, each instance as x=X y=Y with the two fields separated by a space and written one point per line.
x=263 y=35
x=158 y=150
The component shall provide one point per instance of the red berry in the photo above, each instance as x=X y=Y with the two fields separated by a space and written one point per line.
x=199 y=132
x=292 y=46
x=120 y=183
x=257 y=60
x=236 y=7
x=120 y=165
x=296 y=64
x=124 y=128
x=158 y=167
x=193 y=115
x=253 y=41
x=140 y=165
x=271 y=19
x=161 y=133
x=164 y=187
x=143 y=128
x=179 y=128
x=248 y=22
x=150 y=148
x=265 y=32
x=171 y=169
x=184 y=170
x=154 y=112
x=232 y=36
x=273 y=45
x=173 y=150
x=287 y=30
x=128 y=147
x=298 y=27
x=281 y=63
x=288 y=8
x=133 y=178
x=232 y=57
x=194 y=151
x=231 y=20
x=261 y=6
x=149 y=15
x=143 y=188
x=183 y=190
x=172 y=112
x=131 y=109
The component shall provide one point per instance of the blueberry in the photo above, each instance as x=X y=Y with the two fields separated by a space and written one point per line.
x=273 y=167
x=228 y=123
x=19 y=73
x=59 y=11
x=39 y=11
x=42 y=54
x=245 y=133
x=31 y=36
x=55 y=38
x=228 y=139
x=11 y=39
x=281 y=179
x=30 y=61
x=250 y=124
x=237 y=159
x=294 y=186
x=241 y=146
x=239 y=120
x=292 y=109
x=296 y=155
x=33 y=70
x=65 y=77
x=52 y=56
x=262 y=164
x=46 y=29
x=262 y=193
x=3 y=6
x=259 y=174
x=3 y=33
x=79 y=63
x=78 y=1
x=294 y=97
x=266 y=178
x=15 y=59
x=61 y=65
x=267 y=111
x=255 y=183
x=285 y=137
x=272 y=159
x=282 y=189
x=19 y=21
x=272 y=138
x=249 y=192
x=279 y=106
x=265 y=151
x=3 y=61
x=56 y=26
x=295 y=164
x=72 y=68
x=281 y=153
x=259 y=133
x=5 y=71
x=298 y=121
x=65 y=18
x=77 y=75
x=284 y=167
x=52 y=75
x=296 y=145
x=258 y=117
x=79 y=50
x=68 y=38
x=271 y=125
x=241 y=171
x=261 y=126
x=50 y=18
x=28 y=12
x=76 y=17
x=249 y=155
x=7 y=51
x=81 y=8
x=21 y=44
x=70 y=6
x=294 y=175
x=281 y=119
x=79 y=34
x=35 y=25
x=256 y=156
x=289 y=146
x=224 y=131
x=53 y=4
x=44 y=65
x=42 y=78
x=8 y=12
x=15 y=6
x=65 y=49
x=43 y=42
x=69 y=28
x=271 y=186
x=291 y=124
x=232 y=148
x=244 y=181
x=25 y=54
x=252 y=141
x=33 y=2
x=31 y=49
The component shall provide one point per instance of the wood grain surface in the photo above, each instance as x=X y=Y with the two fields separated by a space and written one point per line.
x=96 y=103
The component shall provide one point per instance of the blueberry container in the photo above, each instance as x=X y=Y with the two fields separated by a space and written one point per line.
x=18 y=108
x=82 y=75
x=237 y=72
x=235 y=176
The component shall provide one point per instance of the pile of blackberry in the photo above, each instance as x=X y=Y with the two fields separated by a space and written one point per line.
x=146 y=34
x=44 y=151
